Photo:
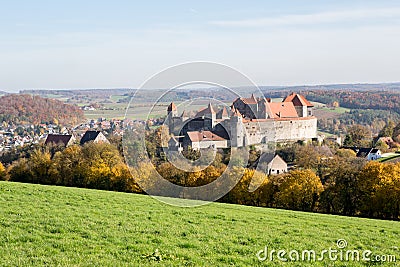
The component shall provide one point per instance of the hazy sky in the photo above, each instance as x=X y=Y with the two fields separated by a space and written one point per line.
x=110 y=44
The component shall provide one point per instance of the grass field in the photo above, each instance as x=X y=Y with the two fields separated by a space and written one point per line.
x=117 y=110
x=326 y=113
x=57 y=226
x=393 y=158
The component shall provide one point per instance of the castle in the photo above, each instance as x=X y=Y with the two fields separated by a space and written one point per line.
x=249 y=121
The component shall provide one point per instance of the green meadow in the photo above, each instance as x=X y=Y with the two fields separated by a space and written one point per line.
x=58 y=226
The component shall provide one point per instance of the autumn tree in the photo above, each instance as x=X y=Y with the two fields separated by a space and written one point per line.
x=341 y=182
x=310 y=156
x=346 y=153
x=358 y=135
x=68 y=167
x=40 y=167
x=240 y=193
x=20 y=172
x=299 y=190
x=381 y=145
x=387 y=130
x=141 y=179
x=380 y=190
x=396 y=133
x=100 y=161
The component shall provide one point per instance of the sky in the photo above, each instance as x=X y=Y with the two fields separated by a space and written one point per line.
x=120 y=44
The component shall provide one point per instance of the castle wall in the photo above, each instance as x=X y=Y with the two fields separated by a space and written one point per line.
x=280 y=130
x=292 y=130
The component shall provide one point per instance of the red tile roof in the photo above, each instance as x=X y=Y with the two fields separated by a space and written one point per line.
x=197 y=136
x=298 y=100
x=283 y=110
x=251 y=100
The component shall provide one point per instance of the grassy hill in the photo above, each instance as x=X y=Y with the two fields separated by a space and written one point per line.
x=57 y=226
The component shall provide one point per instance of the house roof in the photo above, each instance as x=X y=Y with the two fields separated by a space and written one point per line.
x=363 y=151
x=251 y=100
x=58 y=139
x=298 y=100
x=283 y=110
x=197 y=136
x=208 y=110
x=277 y=160
x=89 y=136
x=374 y=151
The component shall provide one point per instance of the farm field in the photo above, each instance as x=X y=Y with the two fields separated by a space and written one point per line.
x=324 y=112
x=117 y=110
x=58 y=226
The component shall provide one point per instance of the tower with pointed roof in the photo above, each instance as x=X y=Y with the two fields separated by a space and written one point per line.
x=222 y=114
x=172 y=110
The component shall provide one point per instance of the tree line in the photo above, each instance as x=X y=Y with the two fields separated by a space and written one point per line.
x=326 y=180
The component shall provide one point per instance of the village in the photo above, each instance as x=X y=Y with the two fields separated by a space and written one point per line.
x=18 y=136
x=248 y=121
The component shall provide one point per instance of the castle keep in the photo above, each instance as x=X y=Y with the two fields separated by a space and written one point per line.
x=249 y=121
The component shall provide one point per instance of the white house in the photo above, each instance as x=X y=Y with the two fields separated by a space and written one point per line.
x=277 y=166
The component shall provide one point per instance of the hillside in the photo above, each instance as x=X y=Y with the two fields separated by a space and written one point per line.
x=57 y=226
x=17 y=108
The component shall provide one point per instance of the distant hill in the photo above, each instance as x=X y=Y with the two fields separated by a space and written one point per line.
x=23 y=108
x=88 y=96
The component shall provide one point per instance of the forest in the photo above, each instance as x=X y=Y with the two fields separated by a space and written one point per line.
x=19 y=109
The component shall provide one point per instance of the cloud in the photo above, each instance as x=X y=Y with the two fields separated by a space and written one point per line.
x=314 y=18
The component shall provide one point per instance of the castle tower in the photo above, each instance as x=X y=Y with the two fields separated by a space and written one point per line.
x=263 y=108
x=222 y=114
x=237 y=129
x=172 y=110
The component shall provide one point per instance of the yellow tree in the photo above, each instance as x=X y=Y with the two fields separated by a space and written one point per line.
x=300 y=190
x=142 y=178
x=380 y=185
x=67 y=166
x=40 y=165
